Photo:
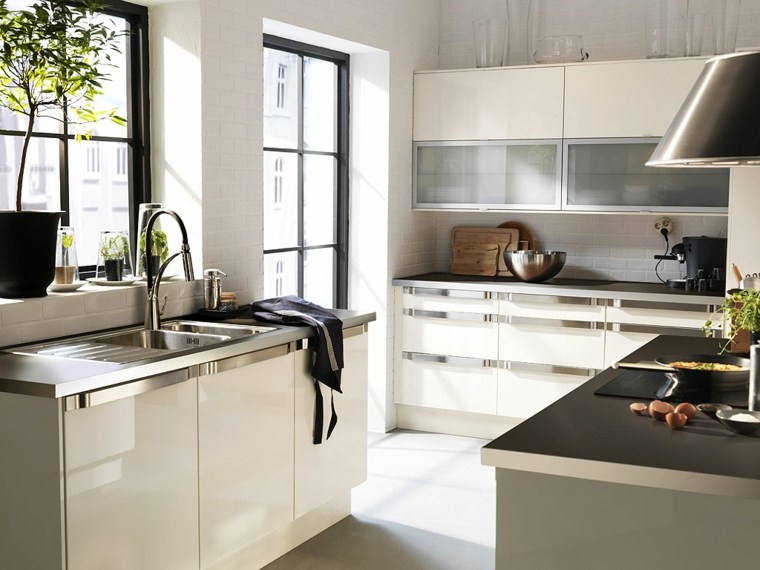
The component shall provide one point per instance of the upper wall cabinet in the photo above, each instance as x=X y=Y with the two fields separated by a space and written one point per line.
x=626 y=98
x=496 y=104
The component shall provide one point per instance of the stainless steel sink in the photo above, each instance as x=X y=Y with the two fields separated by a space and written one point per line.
x=162 y=339
x=140 y=344
x=226 y=329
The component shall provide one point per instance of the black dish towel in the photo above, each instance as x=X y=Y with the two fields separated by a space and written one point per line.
x=328 y=352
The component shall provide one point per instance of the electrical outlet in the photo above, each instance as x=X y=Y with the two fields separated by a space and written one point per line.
x=663 y=224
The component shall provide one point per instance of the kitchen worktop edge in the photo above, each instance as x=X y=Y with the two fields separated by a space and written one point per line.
x=600 y=289
x=595 y=437
x=56 y=377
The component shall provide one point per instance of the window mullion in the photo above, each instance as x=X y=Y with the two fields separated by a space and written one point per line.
x=300 y=176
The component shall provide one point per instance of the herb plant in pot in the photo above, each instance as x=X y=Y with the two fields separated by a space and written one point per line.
x=114 y=254
x=159 y=251
x=54 y=58
x=741 y=312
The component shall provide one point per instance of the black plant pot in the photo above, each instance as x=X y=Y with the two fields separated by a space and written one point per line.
x=114 y=269
x=27 y=252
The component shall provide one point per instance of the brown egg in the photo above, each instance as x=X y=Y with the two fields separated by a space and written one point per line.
x=638 y=408
x=659 y=409
x=676 y=420
x=690 y=410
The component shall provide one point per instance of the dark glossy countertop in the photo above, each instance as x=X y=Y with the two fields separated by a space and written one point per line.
x=598 y=438
x=622 y=290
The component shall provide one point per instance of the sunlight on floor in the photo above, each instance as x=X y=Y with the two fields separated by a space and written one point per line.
x=432 y=482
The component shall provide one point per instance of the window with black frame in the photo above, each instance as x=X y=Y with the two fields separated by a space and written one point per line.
x=96 y=182
x=305 y=172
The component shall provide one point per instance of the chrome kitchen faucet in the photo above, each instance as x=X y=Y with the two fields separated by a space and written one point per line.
x=152 y=311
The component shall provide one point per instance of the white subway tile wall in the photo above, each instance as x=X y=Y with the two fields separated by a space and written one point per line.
x=598 y=246
x=91 y=308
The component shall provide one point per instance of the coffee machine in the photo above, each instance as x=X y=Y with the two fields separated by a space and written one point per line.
x=705 y=259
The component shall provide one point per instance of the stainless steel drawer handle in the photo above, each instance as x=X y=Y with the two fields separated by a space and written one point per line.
x=453 y=293
x=450 y=360
x=453 y=316
x=127 y=390
x=655 y=329
x=244 y=359
x=548 y=369
x=562 y=324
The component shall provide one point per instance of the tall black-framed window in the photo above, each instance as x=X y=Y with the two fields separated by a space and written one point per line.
x=305 y=172
x=97 y=183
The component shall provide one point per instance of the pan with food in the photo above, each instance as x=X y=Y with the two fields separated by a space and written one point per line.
x=717 y=371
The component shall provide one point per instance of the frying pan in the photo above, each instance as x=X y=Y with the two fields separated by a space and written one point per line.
x=715 y=379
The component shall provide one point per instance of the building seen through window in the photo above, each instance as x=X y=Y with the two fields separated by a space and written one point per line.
x=96 y=182
x=305 y=172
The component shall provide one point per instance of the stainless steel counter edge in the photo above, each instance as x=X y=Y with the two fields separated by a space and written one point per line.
x=54 y=377
x=622 y=290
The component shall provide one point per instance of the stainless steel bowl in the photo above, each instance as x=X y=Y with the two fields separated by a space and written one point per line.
x=534 y=266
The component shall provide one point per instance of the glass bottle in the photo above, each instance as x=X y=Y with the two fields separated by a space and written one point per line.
x=66 y=265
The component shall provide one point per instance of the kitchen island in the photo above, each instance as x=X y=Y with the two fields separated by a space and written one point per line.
x=585 y=484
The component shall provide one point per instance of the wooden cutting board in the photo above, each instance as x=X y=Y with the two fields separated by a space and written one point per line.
x=472 y=251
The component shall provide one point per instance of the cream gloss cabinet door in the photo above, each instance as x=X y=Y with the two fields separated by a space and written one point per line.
x=519 y=103
x=626 y=98
x=131 y=479
x=325 y=470
x=245 y=419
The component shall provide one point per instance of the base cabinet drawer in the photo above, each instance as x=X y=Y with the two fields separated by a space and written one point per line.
x=465 y=385
x=524 y=393
x=432 y=335
x=559 y=346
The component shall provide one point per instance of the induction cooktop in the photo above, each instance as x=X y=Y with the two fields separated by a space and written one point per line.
x=651 y=385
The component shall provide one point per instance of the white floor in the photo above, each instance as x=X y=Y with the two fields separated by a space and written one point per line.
x=428 y=504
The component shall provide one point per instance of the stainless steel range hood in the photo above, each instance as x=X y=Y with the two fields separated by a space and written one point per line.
x=718 y=125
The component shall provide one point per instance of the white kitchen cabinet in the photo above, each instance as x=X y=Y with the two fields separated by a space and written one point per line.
x=331 y=468
x=626 y=98
x=525 y=390
x=548 y=346
x=495 y=104
x=245 y=426
x=630 y=324
x=131 y=486
x=449 y=350
x=545 y=329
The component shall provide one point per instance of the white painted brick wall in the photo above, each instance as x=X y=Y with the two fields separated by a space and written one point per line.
x=611 y=29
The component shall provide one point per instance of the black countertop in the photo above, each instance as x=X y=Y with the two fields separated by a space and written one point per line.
x=597 y=437
x=623 y=290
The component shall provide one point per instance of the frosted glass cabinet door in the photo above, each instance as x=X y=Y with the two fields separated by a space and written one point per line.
x=132 y=482
x=494 y=175
x=610 y=174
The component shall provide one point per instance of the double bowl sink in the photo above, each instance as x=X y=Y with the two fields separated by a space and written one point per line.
x=141 y=343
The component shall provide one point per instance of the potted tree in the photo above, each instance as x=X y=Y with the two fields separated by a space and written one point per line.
x=159 y=247
x=54 y=58
x=114 y=251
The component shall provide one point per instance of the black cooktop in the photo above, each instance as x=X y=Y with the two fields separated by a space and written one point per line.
x=651 y=385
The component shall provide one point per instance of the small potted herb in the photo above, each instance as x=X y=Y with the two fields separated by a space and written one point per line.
x=741 y=310
x=159 y=247
x=114 y=251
